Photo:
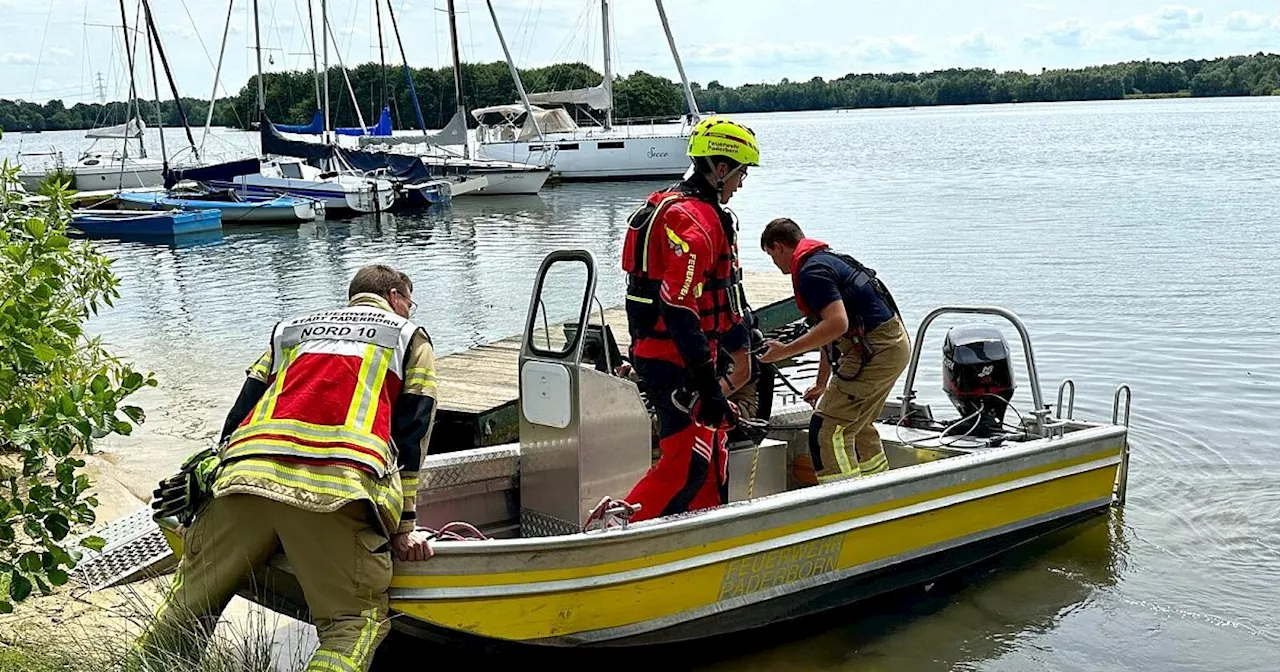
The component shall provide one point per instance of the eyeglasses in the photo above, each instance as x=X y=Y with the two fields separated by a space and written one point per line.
x=413 y=307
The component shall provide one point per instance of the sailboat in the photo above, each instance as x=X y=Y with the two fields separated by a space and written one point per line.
x=97 y=169
x=289 y=167
x=529 y=132
x=500 y=178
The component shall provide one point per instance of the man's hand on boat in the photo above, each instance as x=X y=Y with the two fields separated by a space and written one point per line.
x=813 y=394
x=412 y=546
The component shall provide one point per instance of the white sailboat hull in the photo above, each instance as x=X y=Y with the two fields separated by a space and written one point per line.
x=510 y=182
x=597 y=156
x=103 y=172
x=341 y=193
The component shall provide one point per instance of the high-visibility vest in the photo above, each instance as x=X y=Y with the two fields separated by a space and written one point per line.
x=335 y=377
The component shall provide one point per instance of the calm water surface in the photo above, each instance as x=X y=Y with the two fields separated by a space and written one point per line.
x=1139 y=241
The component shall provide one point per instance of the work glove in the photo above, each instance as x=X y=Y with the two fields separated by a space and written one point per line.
x=181 y=495
x=711 y=408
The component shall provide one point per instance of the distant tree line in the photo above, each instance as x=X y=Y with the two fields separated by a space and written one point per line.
x=291 y=96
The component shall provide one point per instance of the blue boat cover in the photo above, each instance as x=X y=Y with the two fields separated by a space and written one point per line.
x=274 y=143
x=399 y=166
x=316 y=127
x=217 y=171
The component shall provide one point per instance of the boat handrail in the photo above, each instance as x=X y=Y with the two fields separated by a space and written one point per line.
x=573 y=347
x=1040 y=410
x=1071 y=399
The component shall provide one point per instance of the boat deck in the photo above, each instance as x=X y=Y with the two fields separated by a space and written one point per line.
x=478 y=387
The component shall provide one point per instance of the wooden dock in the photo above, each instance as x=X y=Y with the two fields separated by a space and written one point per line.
x=479 y=387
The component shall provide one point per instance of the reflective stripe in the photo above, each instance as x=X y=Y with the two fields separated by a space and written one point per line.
x=267 y=404
x=329 y=661
x=290 y=446
x=347 y=487
x=639 y=299
x=368 y=633
x=874 y=465
x=360 y=399
x=313 y=439
x=648 y=227
x=409 y=481
x=420 y=378
x=261 y=368
x=842 y=458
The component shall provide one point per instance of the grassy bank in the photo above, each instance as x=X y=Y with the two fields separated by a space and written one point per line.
x=76 y=631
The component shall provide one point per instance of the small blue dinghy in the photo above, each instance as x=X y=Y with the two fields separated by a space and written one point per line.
x=157 y=223
x=278 y=210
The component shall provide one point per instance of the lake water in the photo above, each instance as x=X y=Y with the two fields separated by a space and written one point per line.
x=1138 y=240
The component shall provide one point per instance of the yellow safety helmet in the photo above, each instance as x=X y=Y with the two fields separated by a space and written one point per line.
x=718 y=136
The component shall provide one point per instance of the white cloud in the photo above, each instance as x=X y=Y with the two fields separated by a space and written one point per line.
x=1069 y=34
x=11 y=58
x=978 y=44
x=1165 y=22
x=1245 y=22
x=890 y=50
x=1038 y=6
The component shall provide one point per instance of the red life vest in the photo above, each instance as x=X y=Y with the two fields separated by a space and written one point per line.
x=804 y=249
x=651 y=246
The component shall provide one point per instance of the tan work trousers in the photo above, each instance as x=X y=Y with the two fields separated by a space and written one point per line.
x=846 y=439
x=341 y=560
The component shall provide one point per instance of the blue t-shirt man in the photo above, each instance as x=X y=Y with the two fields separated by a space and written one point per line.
x=823 y=277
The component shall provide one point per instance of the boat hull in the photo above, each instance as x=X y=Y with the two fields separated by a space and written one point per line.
x=807 y=603
x=278 y=210
x=101 y=178
x=338 y=197
x=171 y=223
x=510 y=182
x=744 y=565
x=92 y=180
x=585 y=157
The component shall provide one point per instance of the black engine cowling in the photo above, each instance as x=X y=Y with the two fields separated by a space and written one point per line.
x=976 y=365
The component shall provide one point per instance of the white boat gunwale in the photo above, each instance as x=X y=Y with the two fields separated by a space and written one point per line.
x=778 y=503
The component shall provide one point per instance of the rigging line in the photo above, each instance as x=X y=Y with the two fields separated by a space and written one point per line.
x=304 y=51
x=35 y=78
x=199 y=39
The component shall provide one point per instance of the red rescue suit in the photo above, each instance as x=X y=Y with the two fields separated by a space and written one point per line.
x=683 y=294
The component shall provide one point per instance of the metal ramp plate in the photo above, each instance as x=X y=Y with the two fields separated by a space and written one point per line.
x=135 y=548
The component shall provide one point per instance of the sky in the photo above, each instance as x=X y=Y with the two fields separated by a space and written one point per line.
x=59 y=48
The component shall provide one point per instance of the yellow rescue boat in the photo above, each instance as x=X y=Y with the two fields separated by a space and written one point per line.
x=547 y=558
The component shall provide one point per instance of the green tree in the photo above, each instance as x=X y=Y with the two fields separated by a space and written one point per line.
x=59 y=389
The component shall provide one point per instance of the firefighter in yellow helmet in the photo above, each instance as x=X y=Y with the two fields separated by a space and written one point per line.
x=684 y=296
x=320 y=458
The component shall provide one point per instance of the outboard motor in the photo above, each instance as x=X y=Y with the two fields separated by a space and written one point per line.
x=977 y=376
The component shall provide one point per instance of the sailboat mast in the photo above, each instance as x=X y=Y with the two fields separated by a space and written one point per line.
x=155 y=87
x=133 y=91
x=457 y=75
x=382 y=58
x=524 y=98
x=324 y=42
x=671 y=41
x=608 y=64
x=168 y=74
x=257 y=48
x=315 y=64
x=408 y=76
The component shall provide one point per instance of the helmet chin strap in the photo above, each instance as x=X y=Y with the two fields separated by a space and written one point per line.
x=721 y=180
